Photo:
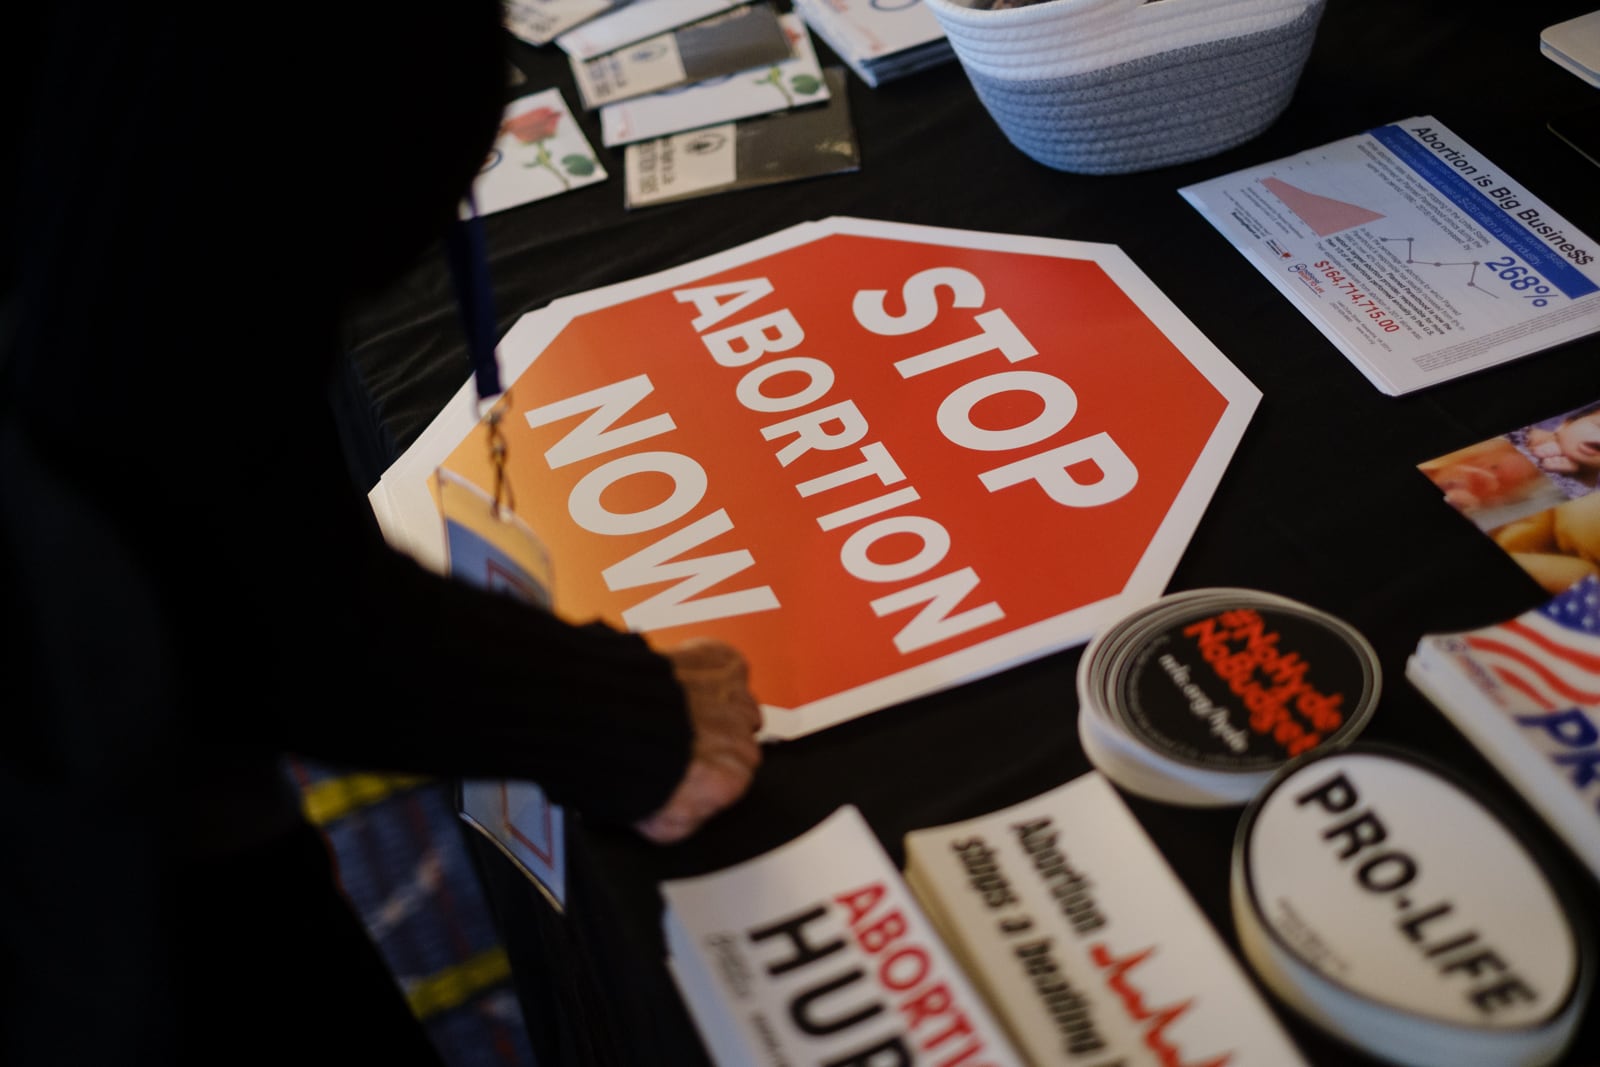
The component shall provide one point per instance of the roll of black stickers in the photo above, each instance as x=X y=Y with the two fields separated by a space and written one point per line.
x=1244 y=684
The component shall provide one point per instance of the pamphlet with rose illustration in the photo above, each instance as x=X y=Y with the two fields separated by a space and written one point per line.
x=540 y=151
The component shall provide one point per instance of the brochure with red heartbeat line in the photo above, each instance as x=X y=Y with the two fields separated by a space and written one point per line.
x=1077 y=931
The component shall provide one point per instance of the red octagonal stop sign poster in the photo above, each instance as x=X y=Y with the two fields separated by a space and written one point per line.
x=880 y=459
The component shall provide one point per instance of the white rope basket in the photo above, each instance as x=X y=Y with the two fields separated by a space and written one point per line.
x=1114 y=86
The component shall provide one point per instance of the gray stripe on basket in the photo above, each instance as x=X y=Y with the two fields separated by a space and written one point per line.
x=1168 y=108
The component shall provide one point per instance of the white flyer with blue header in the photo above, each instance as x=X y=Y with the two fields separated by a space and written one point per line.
x=1417 y=257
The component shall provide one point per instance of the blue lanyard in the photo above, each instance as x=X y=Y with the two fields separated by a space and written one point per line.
x=469 y=273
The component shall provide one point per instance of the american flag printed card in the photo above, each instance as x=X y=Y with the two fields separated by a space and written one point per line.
x=1526 y=692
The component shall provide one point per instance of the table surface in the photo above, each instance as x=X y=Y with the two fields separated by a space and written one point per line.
x=1320 y=502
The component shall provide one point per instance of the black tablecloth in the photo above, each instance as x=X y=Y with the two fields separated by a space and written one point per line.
x=1321 y=501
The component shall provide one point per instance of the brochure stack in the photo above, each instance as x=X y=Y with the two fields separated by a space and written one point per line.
x=879 y=42
x=1051 y=931
x=1526 y=691
x=1084 y=941
x=816 y=952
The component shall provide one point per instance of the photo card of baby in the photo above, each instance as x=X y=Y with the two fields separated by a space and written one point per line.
x=1532 y=490
x=540 y=151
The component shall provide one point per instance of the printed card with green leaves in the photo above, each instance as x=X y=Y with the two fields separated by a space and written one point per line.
x=540 y=151
x=794 y=82
x=803 y=142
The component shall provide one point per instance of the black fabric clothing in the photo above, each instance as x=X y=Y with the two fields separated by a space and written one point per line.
x=309 y=1013
x=193 y=585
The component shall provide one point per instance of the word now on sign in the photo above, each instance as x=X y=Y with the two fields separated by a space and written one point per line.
x=880 y=459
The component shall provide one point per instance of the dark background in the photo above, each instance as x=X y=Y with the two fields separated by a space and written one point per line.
x=1321 y=501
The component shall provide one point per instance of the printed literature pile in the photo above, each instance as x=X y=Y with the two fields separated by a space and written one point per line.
x=816 y=952
x=879 y=43
x=490 y=547
x=1048 y=932
x=781 y=146
x=702 y=96
x=1526 y=692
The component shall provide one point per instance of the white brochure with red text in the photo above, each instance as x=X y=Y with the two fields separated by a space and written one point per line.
x=816 y=952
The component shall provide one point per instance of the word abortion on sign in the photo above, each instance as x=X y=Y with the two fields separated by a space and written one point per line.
x=880 y=459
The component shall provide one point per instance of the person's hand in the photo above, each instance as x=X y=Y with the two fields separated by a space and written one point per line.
x=724 y=717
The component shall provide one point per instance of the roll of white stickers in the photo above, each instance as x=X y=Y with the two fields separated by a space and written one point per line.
x=1386 y=902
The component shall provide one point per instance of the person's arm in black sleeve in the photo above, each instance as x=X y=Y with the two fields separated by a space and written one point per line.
x=177 y=326
x=358 y=655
